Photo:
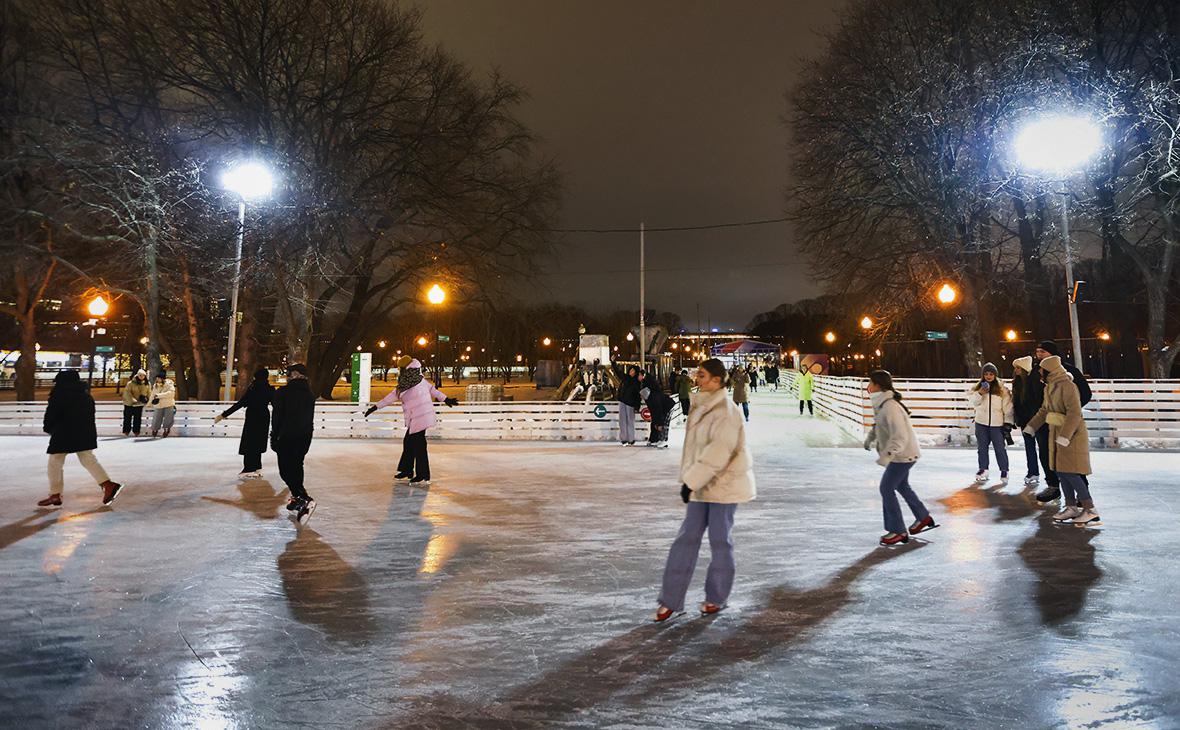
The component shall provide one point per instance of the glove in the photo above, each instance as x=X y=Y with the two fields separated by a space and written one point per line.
x=685 y=493
x=1008 y=437
x=370 y=411
x=451 y=402
x=155 y=401
x=218 y=418
x=1062 y=441
x=143 y=399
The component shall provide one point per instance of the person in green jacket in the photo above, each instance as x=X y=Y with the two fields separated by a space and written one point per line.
x=135 y=395
x=684 y=391
x=805 y=384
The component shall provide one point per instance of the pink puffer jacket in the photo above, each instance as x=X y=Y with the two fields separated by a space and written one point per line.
x=417 y=403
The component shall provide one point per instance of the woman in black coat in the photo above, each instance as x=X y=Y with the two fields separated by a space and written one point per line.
x=69 y=421
x=256 y=431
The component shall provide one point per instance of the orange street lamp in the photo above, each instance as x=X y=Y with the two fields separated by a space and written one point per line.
x=830 y=337
x=1010 y=335
x=381 y=344
x=546 y=342
x=947 y=294
x=866 y=323
x=98 y=307
x=630 y=337
x=421 y=342
x=1104 y=336
x=436 y=295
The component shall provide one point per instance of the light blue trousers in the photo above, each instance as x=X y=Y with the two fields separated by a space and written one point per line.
x=682 y=558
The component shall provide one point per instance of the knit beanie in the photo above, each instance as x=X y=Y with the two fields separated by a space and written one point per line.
x=1050 y=347
x=1051 y=364
x=1023 y=363
x=990 y=368
x=404 y=362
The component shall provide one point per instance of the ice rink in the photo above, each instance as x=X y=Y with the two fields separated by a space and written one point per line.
x=517 y=591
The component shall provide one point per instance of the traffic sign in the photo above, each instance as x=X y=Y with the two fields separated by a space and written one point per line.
x=937 y=335
x=444 y=338
x=104 y=350
x=600 y=411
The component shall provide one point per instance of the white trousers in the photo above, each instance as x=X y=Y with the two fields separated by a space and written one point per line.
x=57 y=464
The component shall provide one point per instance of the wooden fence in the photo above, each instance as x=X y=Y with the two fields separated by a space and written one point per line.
x=514 y=420
x=1123 y=413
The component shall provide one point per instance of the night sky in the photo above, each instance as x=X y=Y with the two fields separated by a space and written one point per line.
x=663 y=111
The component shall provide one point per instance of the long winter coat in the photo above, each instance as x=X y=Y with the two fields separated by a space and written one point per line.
x=741 y=386
x=136 y=389
x=417 y=403
x=716 y=464
x=1062 y=410
x=992 y=408
x=1027 y=394
x=806 y=383
x=293 y=418
x=256 y=401
x=69 y=419
x=165 y=392
x=892 y=431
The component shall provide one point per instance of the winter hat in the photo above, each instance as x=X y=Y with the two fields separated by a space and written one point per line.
x=297 y=368
x=261 y=375
x=1050 y=347
x=141 y=373
x=67 y=377
x=404 y=361
x=161 y=375
x=1023 y=363
x=1052 y=364
x=991 y=368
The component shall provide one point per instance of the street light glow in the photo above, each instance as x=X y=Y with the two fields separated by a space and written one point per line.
x=1104 y=336
x=248 y=180
x=630 y=337
x=546 y=342
x=947 y=294
x=421 y=342
x=1058 y=143
x=98 y=307
x=1010 y=335
x=866 y=322
x=830 y=337
x=436 y=295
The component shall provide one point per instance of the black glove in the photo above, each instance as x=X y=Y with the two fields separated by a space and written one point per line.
x=370 y=411
x=1008 y=434
x=451 y=402
x=685 y=493
x=143 y=399
x=155 y=401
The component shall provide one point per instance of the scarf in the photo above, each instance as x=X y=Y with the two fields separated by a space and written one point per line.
x=408 y=378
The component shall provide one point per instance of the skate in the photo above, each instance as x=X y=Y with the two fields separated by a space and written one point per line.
x=305 y=511
x=53 y=501
x=292 y=504
x=981 y=476
x=926 y=523
x=1087 y=518
x=166 y=432
x=1067 y=514
x=1032 y=480
x=1049 y=494
x=663 y=613
x=1004 y=478
x=110 y=490
x=893 y=538
x=402 y=476
x=419 y=482
x=709 y=609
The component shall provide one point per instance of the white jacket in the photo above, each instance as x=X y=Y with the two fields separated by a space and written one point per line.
x=166 y=393
x=716 y=465
x=991 y=409
x=892 y=431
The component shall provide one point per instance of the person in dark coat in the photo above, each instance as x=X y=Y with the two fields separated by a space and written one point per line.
x=629 y=402
x=1027 y=394
x=69 y=421
x=659 y=405
x=1046 y=349
x=256 y=401
x=291 y=428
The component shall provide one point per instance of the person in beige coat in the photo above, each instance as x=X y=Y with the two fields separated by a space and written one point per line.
x=164 y=401
x=739 y=380
x=1069 y=442
x=716 y=474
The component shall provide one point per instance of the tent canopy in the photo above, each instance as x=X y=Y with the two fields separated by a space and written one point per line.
x=746 y=347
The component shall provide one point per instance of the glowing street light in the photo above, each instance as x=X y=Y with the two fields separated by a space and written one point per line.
x=381 y=344
x=421 y=342
x=1104 y=336
x=1010 y=335
x=866 y=323
x=98 y=307
x=630 y=337
x=947 y=294
x=830 y=337
x=436 y=295
x=546 y=342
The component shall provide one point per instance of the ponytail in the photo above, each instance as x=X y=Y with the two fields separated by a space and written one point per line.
x=883 y=379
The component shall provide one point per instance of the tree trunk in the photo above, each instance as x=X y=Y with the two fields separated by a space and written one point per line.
x=205 y=358
x=26 y=369
x=1036 y=283
x=1161 y=353
x=152 y=310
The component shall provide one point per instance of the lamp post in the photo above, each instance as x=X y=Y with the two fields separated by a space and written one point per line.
x=436 y=296
x=249 y=181
x=1060 y=145
x=98 y=308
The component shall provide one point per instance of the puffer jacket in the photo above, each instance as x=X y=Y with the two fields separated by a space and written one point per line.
x=806 y=384
x=991 y=409
x=1062 y=410
x=134 y=389
x=716 y=464
x=892 y=431
x=417 y=403
x=166 y=393
x=741 y=386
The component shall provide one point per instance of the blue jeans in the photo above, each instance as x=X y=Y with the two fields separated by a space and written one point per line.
x=1076 y=489
x=1030 y=454
x=895 y=481
x=993 y=435
x=682 y=558
x=746 y=410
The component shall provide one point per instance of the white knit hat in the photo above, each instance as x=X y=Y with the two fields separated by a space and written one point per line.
x=1024 y=363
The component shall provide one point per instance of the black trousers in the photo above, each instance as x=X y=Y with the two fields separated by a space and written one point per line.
x=415 y=461
x=684 y=404
x=290 y=458
x=1043 y=447
x=132 y=419
x=251 y=462
x=810 y=407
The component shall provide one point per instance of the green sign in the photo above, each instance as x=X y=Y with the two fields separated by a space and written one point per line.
x=444 y=338
x=600 y=411
x=937 y=335
x=104 y=350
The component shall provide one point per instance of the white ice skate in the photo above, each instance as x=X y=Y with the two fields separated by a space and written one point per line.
x=1032 y=481
x=1087 y=518
x=1067 y=514
x=981 y=476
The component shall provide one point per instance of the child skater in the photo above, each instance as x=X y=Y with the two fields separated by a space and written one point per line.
x=417 y=397
x=897 y=451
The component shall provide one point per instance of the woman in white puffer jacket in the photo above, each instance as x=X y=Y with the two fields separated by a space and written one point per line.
x=897 y=451
x=993 y=420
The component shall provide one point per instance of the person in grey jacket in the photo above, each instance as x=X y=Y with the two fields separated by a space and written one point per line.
x=897 y=451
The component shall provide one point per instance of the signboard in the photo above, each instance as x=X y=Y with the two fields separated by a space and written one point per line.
x=444 y=338
x=362 y=376
x=104 y=350
x=600 y=411
x=937 y=335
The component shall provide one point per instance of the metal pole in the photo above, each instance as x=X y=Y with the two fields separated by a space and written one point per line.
x=642 y=300
x=233 y=306
x=1073 y=305
x=90 y=375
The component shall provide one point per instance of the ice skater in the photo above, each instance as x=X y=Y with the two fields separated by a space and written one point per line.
x=993 y=420
x=805 y=385
x=135 y=396
x=69 y=421
x=292 y=424
x=659 y=405
x=629 y=403
x=1045 y=349
x=897 y=451
x=1069 y=442
x=417 y=397
x=716 y=474
x=684 y=392
x=739 y=381
x=1027 y=392
x=256 y=401
x=164 y=401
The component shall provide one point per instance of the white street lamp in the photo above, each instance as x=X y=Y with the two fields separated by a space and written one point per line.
x=1057 y=146
x=249 y=181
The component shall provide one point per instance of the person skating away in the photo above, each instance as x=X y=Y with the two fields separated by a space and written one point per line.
x=993 y=420
x=752 y=373
x=629 y=403
x=897 y=451
x=805 y=384
x=1069 y=442
x=740 y=382
x=136 y=394
x=772 y=376
x=684 y=392
x=292 y=424
x=164 y=401
x=417 y=397
x=1045 y=349
x=659 y=405
x=716 y=475
x=1027 y=392
x=256 y=400
x=69 y=421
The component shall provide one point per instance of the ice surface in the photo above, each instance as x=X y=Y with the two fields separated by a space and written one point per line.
x=517 y=590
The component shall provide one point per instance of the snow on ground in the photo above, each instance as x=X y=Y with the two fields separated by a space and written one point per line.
x=516 y=592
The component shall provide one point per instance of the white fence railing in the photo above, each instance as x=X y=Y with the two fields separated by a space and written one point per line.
x=1123 y=413
x=513 y=420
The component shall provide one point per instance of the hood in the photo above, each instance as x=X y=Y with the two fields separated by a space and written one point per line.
x=879 y=398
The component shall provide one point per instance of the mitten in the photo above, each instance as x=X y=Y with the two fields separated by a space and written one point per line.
x=1062 y=441
x=685 y=493
x=451 y=402
x=155 y=401
x=218 y=418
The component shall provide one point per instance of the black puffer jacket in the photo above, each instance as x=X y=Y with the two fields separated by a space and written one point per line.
x=629 y=389
x=69 y=416
x=293 y=417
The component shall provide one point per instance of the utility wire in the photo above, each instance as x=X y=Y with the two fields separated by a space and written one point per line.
x=635 y=270
x=707 y=227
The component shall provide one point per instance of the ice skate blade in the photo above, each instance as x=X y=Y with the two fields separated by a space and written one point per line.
x=1084 y=525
